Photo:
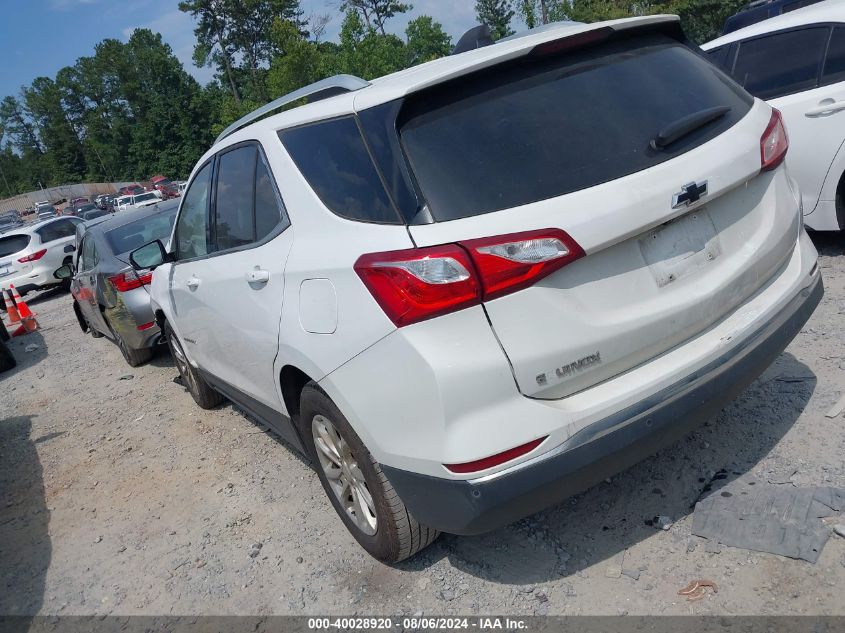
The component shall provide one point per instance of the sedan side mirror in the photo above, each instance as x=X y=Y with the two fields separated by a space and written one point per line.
x=65 y=272
x=70 y=248
x=149 y=256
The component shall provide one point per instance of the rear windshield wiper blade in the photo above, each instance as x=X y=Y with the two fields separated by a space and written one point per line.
x=685 y=125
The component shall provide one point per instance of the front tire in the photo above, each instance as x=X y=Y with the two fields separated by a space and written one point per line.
x=355 y=484
x=202 y=393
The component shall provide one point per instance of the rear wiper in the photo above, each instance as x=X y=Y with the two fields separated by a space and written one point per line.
x=687 y=124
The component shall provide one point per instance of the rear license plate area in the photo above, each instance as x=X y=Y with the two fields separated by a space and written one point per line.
x=681 y=247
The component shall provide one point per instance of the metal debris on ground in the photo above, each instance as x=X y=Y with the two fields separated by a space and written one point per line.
x=697 y=589
x=754 y=515
x=836 y=409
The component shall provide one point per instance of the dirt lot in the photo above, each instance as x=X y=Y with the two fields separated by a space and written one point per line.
x=119 y=496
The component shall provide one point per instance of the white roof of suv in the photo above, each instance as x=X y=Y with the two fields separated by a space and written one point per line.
x=827 y=11
x=404 y=82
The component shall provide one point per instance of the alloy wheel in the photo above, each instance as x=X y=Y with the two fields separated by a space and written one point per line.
x=344 y=475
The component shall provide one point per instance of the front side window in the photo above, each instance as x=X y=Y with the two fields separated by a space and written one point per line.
x=192 y=228
x=233 y=220
x=782 y=63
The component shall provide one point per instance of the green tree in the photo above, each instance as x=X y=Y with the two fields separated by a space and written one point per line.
x=376 y=12
x=497 y=14
x=426 y=40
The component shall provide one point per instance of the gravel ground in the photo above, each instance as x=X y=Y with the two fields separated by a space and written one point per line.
x=119 y=496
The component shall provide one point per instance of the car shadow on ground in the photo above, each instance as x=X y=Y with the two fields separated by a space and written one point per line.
x=609 y=518
x=34 y=298
x=25 y=548
x=829 y=243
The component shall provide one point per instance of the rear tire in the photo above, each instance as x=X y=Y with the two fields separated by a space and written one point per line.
x=133 y=357
x=202 y=393
x=7 y=360
x=381 y=523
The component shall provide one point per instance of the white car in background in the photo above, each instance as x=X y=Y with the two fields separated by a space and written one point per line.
x=29 y=256
x=138 y=201
x=796 y=61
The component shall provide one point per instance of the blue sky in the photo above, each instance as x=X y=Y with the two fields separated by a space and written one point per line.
x=38 y=37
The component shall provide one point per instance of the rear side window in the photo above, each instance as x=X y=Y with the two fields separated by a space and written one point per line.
x=233 y=219
x=538 y=129
x=128 y=237
x=12 y=244
x=247 y=208
x=89 y=254
x=834 y=63
x=781 y=63
x=333 y=158
x=56 y=230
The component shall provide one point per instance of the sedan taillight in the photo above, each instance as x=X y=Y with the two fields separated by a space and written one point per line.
x=129 y=280
x=420 y=283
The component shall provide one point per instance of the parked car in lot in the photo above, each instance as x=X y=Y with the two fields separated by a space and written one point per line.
x=131 y=190
x=145 y=199
x=797 y=63
x=46 y=212
x=95 y=213
x=9 y=221
x=760 y=10
x=109 y=297
x=105 y=202
x=465 y=306
x=83 y=208
x=30 y=255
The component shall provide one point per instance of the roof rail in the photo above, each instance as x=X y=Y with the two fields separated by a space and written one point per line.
x=322 y=89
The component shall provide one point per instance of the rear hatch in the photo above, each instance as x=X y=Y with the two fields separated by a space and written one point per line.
x=569 y=139
x=12 y=249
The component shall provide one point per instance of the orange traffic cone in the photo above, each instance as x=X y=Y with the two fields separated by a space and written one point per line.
x=28 y=321
x=11 y=309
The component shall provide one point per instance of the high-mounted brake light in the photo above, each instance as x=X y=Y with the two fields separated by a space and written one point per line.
x=420 y=283
x=34 y=257
x=129 y=280
x=774 y=143
x=508 y=263
x=495 y=460
x=572 y=42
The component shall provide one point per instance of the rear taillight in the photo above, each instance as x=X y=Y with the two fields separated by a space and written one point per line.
x=129 y=280
x=508 y=263
x=773 y=143
x=420 y=283
x=34 y=257
x=495 y=460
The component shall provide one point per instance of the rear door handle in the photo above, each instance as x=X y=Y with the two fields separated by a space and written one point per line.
x=826 y=107
x=193 y=283
x=258 y=276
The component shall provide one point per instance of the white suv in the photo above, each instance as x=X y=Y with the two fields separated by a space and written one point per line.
x=472 y=288
x=30 y=255
x=796 y=62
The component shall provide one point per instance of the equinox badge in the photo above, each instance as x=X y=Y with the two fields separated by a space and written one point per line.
x=688 y=194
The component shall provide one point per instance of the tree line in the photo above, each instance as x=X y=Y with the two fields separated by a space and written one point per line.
x=131 y=110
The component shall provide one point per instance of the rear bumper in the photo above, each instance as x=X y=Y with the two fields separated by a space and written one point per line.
x=608 y=446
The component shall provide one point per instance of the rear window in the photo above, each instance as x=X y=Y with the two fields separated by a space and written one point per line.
x=12 y=244
x=538 y=129
x=130 y=236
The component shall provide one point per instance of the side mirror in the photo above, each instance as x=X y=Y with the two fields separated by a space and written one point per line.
x=70 y=248
x=149 y=256
x=65 y=272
